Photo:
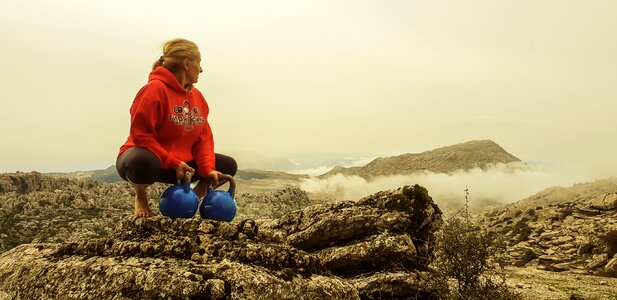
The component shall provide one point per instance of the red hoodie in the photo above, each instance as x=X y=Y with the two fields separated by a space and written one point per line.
x=171 y=123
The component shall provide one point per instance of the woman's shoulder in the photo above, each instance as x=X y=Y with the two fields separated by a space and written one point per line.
x=153 y=87
x=155 y=84
x=154 y=90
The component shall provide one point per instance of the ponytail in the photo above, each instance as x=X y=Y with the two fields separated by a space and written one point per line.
x=158 y=63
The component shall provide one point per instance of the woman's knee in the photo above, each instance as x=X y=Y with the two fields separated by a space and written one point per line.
x=226 y=164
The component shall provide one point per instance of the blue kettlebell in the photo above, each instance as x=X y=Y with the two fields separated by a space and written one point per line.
x=219 y=205
x=179 y=200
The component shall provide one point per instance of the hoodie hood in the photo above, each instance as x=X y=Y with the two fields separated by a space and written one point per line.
x=164 y=75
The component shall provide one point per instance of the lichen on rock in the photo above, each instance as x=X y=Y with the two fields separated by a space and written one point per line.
x=376 y=247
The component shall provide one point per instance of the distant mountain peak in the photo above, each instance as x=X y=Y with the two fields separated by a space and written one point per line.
x=467 y=155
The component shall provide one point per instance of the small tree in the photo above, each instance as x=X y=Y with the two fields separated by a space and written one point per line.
x=466 y=253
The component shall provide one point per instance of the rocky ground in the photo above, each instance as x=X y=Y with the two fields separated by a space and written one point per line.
x=557 y=238
x=44 y=209
x=562 y=229
x=378 y=247
x=535 y=284
x=40 y=208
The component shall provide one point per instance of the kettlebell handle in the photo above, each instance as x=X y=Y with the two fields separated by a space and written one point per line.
x=186 y=179
x=232 y=183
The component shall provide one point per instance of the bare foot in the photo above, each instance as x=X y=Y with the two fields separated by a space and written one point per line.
x=142 y=209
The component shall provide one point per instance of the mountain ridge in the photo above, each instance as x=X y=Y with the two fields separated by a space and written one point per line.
x=466 y=155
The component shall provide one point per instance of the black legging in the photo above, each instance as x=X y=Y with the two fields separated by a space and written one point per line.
x=142 y=166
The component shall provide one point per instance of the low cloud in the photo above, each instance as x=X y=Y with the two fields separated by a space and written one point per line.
x=498 y=184
x=344 y=162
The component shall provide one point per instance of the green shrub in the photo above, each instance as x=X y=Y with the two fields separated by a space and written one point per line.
x=487 y=289
x=466 y=253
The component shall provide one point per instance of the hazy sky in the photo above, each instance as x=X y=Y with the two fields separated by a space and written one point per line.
x=385 y=77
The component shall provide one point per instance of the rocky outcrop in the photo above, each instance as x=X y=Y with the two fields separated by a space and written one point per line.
x=39 y=208
x=464 y=156
x=30 y=182
x=250 y=174
x=43 y=209
x=375 y=248
x=271 y=205
x=562 y=229
x=399 y=226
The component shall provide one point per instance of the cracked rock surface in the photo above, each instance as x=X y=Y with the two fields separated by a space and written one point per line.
x=377 y=247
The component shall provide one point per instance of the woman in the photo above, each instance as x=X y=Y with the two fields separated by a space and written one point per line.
x=170 y=135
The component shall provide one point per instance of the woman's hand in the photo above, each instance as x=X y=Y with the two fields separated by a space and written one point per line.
x=182 y=169
x=213 y=177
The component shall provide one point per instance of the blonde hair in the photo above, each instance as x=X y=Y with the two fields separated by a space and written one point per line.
x=175 y=52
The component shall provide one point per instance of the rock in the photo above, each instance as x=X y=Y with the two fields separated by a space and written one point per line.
x=320 y=252
x=560 y=267
x=407 y=211
x=549 y=235
x=385 y=251
x=570 y=226
x=581 y=213
x=48 y=209
x=611 y=265
x=562 y=240
x=607 y=202
x=570 y=249
x=548 y=260
x=271 y=205
x=24 y=183
x=395 y=285
x=598 y=261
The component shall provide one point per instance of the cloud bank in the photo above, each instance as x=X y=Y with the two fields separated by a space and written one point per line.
x=498 y=184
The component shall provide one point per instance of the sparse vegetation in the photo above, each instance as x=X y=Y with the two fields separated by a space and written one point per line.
x=467 y=254
x=470 y=256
